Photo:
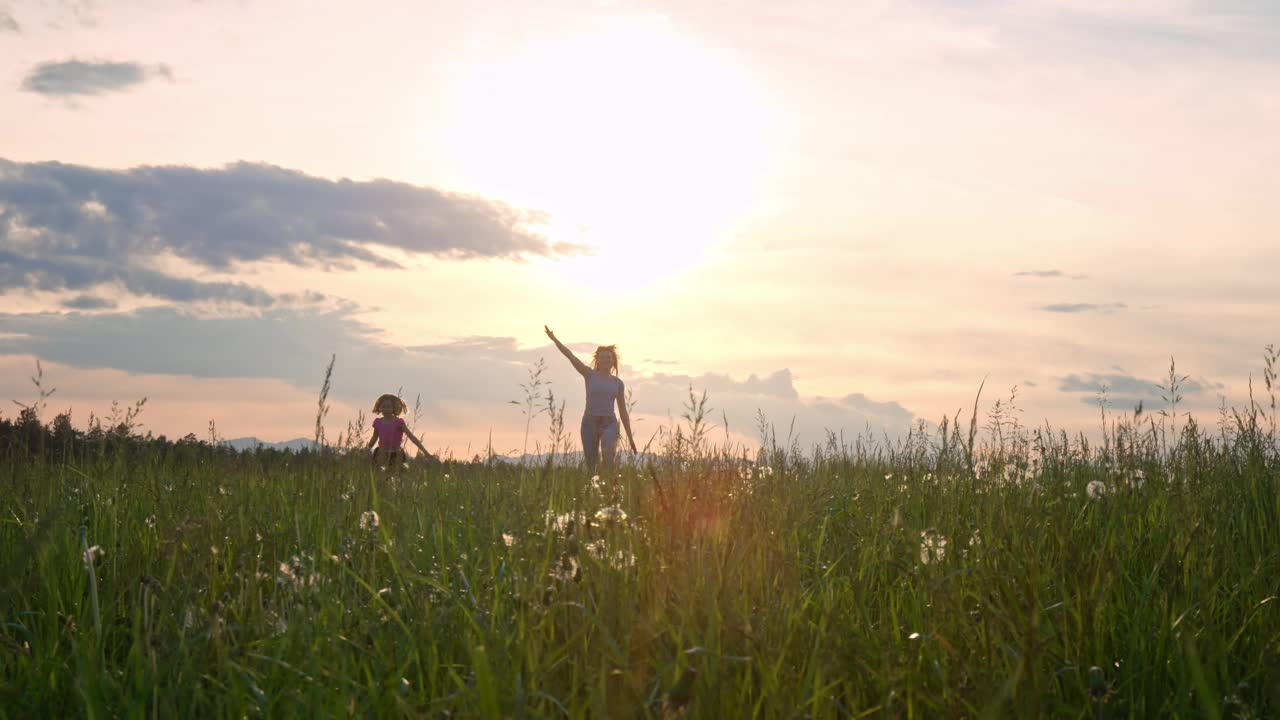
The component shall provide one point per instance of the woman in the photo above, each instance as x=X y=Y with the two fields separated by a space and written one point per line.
x=604 y=390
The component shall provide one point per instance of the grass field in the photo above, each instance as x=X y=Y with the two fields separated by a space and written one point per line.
x=1004 y=573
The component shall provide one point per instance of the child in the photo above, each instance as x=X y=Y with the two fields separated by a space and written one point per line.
x=389 y=431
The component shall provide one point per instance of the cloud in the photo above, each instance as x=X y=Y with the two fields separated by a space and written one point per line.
x=89 y=302
x=1083 y=307
x=1128 y=390
x=1135 y=33
x=73 y=273
x=777 y=385
x=464 y=383
x=69 y=78
x=1047 y=274
x=70 y=226
x=8 y=23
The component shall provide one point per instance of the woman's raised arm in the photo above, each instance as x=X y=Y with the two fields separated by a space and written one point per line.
x=577 y=364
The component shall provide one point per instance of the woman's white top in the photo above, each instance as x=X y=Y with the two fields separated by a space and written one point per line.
x=602 y=391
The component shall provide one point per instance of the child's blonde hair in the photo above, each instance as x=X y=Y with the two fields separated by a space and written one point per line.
x=595 y=358
x=396 y=403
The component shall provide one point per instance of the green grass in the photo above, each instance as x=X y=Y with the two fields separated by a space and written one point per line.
x=795 y=585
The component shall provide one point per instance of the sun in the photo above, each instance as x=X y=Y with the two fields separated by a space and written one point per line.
x=639 y=143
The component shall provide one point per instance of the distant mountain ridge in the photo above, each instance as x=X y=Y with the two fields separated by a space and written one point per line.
x=253 y=443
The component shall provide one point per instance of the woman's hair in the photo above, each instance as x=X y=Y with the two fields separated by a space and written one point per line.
x=595 y=358
x=397 y=404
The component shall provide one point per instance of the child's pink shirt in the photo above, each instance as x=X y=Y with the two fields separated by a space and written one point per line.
x=390 y=432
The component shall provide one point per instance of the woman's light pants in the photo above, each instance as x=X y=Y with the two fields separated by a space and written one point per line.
x=599 y=434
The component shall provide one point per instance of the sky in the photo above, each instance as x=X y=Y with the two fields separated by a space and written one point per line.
x=843 y=216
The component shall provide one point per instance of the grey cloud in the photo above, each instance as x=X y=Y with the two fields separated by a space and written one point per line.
x=8 y=23
x=1048 y=274
x=1122 y=34
x=248 y=211
x=1126 y=386
x=778 y=385
x=89 y=302
x=69 y=225
x=68 y=78
x=57 y=273
x=294 y=344
x=1149 y=40
x=1083 y=307
x=866 y=404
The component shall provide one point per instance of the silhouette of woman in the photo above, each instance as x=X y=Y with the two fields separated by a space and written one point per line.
x=604 y=390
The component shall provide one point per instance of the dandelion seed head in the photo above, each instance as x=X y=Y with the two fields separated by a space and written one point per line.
x=92 y=554
x=933 y=546
x=611 y=515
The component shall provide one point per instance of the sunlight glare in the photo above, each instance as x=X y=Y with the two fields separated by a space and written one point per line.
x=640 y=144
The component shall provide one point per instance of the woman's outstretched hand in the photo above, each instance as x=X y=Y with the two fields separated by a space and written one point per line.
x=549 y=333
x=633 y=447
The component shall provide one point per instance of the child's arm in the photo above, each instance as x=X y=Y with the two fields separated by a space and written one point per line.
x=372 y=441
x=409 y=434
x=624 y=415
x=578 y=365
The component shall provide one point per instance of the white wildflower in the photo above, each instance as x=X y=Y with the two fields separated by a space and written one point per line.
x=933 y=546
x=565 y=570
x=92 y=554
x=1096 y=490
x=369 y=520
x=611 y=515
x=294 y=573
x=508 y=539
x=562 y=522
x=597 y=549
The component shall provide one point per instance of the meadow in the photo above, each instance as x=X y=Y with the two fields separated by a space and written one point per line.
x=975 y=568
